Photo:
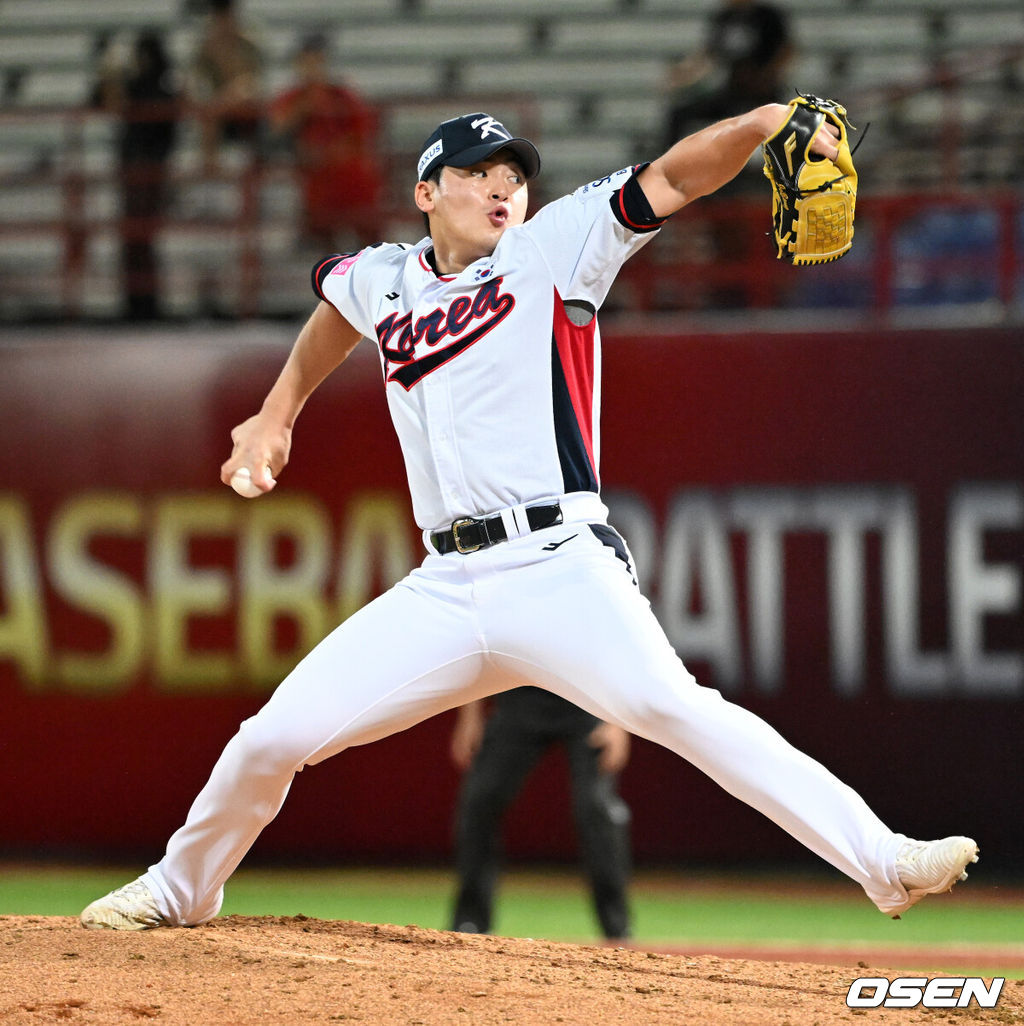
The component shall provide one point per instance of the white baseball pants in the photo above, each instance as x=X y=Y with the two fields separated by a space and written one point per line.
x=569 y=619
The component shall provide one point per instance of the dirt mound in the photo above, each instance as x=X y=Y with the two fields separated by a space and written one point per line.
x=245 y=970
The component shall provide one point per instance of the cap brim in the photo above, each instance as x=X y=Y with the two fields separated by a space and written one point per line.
x=524 y=150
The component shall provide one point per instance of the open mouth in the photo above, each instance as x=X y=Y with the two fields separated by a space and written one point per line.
x=498 y=216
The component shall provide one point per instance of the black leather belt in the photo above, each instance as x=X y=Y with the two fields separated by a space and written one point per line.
x=470 y=534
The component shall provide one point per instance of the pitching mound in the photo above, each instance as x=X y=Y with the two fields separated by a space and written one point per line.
x=244 y=970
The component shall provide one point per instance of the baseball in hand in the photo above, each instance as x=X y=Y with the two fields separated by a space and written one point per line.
x=241 y=481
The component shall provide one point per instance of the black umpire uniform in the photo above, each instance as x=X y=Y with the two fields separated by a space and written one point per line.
x=524 y=723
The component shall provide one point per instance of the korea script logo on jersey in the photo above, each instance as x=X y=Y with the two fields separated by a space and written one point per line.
x=416 y=349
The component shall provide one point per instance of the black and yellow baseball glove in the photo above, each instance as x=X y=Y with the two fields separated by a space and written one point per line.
x=813 y=198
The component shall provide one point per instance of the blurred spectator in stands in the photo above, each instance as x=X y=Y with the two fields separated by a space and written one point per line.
x=13 y=81
x=332 y=133
x=226 y=84
x=741 y=66
x=136 y=84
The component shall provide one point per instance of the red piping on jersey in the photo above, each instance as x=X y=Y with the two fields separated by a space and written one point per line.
x=425 y=264
x=629 y=221
x=316 y=273
x=575 y=346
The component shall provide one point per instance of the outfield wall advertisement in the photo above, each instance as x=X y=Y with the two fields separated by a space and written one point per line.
x=831 y=530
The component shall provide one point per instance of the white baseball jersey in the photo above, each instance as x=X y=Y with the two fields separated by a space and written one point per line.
x=493 y=390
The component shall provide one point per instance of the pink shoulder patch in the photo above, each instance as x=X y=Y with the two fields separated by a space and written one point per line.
x=342 y=266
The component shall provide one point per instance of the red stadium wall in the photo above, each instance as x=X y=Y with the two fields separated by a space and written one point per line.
x=831 y=529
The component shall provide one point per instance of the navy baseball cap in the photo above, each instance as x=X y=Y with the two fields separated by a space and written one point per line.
x=469 y=138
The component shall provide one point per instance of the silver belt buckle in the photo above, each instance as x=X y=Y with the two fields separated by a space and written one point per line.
x=455 y=534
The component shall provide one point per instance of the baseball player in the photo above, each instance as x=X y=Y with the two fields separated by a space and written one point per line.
x=498 y=752
x=490 y=358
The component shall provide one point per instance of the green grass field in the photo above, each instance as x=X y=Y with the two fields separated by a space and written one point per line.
x=671 y=910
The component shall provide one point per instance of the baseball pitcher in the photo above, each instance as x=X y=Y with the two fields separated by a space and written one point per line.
x=490 y=358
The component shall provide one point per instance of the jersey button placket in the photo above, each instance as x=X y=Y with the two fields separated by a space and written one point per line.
x=459 y=445
x=440 y=433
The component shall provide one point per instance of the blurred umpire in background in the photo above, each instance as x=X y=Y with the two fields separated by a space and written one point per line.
x=498 y=752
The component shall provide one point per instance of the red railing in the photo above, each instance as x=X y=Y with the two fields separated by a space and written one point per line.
x=718 y=254
x=63 y=168
x=712 y=255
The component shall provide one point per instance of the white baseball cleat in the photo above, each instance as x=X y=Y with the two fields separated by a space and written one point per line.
x=933 y=867
x=131 y=907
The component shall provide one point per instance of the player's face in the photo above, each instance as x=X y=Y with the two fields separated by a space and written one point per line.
x=471 y=207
